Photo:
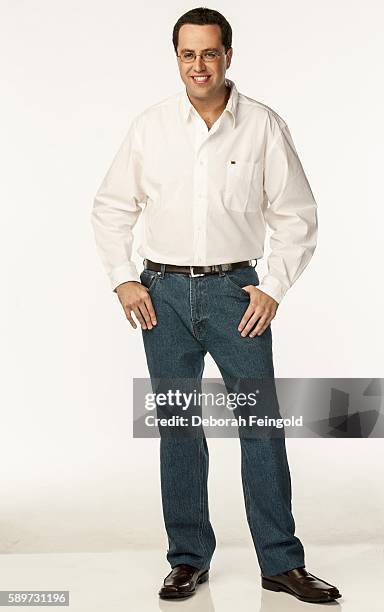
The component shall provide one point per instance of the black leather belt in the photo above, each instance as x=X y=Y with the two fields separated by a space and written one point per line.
x=196 y=270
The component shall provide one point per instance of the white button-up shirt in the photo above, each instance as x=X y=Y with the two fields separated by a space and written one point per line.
x=205 y=196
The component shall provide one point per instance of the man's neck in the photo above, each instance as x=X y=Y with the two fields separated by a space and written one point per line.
x=210 y=110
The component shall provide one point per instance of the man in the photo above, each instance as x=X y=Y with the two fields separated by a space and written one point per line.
x=207 y=168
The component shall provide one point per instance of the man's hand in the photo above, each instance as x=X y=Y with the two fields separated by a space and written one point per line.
x=135 y=297
x=262 y=308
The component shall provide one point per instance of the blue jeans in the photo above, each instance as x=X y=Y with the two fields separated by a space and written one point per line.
x=196 y=315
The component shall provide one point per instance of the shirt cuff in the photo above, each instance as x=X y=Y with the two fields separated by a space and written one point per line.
x=273 y=287
x=123 y=274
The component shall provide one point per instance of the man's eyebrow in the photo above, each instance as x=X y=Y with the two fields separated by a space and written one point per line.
x=202 y=51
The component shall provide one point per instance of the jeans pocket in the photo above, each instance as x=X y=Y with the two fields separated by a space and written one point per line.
x=241 y=277
x=148 y=278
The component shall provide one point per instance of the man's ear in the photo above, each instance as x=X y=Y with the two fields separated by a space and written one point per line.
x=229 y=56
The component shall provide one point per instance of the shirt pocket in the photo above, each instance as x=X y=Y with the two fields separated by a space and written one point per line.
x=243 y=185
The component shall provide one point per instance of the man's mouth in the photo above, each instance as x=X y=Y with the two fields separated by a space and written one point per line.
x=201 y=78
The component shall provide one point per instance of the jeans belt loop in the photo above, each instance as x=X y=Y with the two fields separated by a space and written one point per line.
x=221 y=271
x=162 y=272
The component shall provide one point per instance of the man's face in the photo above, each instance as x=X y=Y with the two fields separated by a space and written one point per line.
x=199 y=38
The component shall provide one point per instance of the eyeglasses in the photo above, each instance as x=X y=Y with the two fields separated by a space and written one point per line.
x=207 y=56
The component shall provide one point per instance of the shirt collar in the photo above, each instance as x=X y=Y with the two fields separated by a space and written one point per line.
x=231 y=107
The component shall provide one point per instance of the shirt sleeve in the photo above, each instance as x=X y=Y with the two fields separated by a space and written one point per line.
x=116 y=210
x=291 y=212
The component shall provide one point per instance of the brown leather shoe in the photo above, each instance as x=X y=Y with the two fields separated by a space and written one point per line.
x=301 y=584
x=182 y=581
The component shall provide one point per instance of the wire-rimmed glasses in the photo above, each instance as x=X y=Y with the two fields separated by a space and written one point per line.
x=209 y=55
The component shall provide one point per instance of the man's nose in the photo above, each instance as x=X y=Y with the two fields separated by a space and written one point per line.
x=198 y=64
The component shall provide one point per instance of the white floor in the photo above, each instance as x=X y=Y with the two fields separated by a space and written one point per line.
x=124 y=581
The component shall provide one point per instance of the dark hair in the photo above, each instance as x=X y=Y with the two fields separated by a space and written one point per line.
x=204 y=16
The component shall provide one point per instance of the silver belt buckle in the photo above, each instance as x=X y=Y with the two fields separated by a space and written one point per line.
x=193 y=274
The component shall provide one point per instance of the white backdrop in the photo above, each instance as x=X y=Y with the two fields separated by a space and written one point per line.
x=75 y=74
